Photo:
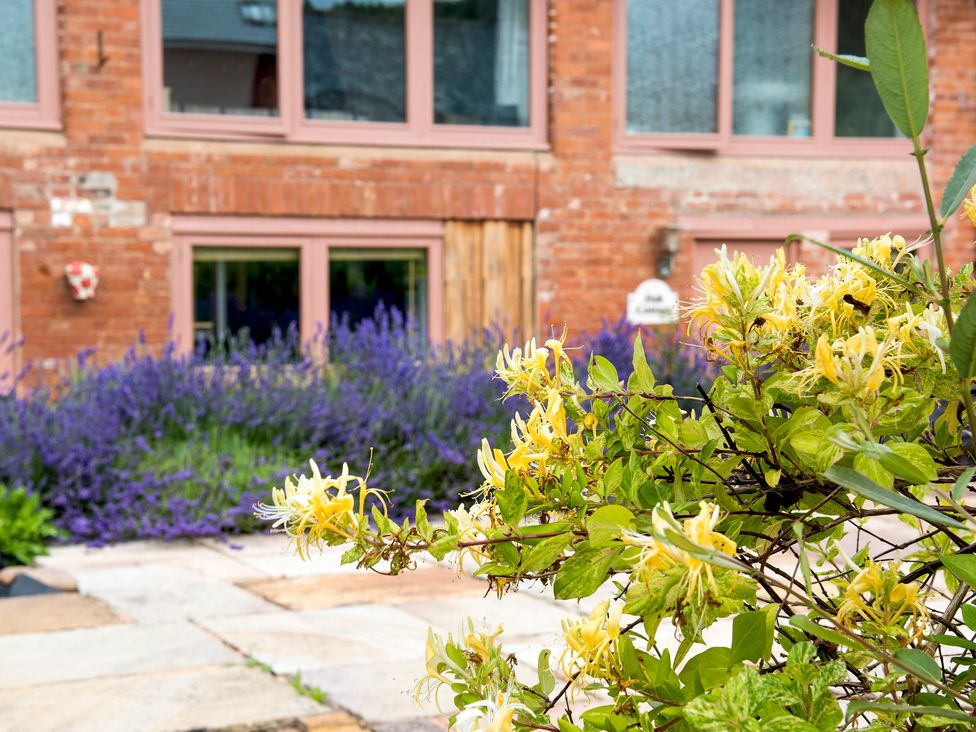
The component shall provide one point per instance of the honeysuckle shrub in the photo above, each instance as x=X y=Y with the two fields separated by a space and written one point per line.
x=165 y=445
x=816 y=502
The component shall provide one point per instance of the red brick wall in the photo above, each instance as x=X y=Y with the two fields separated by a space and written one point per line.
x=598 y=215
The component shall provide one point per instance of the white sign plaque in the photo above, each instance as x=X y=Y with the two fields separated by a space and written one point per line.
x=652 y=303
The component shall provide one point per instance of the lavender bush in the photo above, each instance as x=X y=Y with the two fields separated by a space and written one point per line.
x=167 y=445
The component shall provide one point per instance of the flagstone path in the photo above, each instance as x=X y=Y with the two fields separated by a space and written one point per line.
x=211 y=635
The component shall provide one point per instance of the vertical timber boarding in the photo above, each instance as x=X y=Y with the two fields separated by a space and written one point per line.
x=489 y=278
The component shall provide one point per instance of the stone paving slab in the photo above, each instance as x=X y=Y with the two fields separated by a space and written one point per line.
x=57 y=611
x=157 y=593
x=315 y=593
x=115 y=650
x=297 y=641
x=518 y=614
x=163 y=702
x=376 y=691
x=188 y=555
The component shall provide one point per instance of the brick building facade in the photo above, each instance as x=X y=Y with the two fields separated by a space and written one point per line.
x=553 y=224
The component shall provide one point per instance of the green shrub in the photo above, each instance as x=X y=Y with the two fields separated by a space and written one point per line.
x=25 y=527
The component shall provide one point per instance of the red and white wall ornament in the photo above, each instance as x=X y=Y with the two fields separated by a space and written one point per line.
x=82 y=280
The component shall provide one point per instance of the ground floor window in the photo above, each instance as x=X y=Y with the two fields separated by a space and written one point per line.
x=360 y=280
x=244 y=295
x=242 y=280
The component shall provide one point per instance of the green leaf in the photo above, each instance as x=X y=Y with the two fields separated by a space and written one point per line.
x=547 y=682
x=752 y=636
x=921 y=663
x=512 y=500
x=605 y=524
x=962 y=483
x=603 y=374
x=804 y=623
x=895 y=48
x=855 y=62
x=706 y=670
x=424 y=528
x=542 y=555
x=582 y=574
x=953 y=640
x=867 y=488
x=440 y=548
x=909 y=462
x=643 y=376
x=963 y=566
x=859 y=706
x=962 y=180
x=969 y=616
x=962 y=347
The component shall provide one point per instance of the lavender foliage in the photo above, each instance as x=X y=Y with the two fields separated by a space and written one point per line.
x=167 y=445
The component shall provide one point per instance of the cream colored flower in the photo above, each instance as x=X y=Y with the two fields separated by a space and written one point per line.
x=876 y=595
x=859 y=365
x=591 y=650
x=314 y=507
x=658 y=555
x=495 y=714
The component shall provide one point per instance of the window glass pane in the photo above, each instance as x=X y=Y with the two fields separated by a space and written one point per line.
x=859 y=110
x=244 y=294
x=672 y=62
x=18 y=77
x=354 y=59
x=481 y=62
x=771 y=88
x=220 y=56
x=360 y=280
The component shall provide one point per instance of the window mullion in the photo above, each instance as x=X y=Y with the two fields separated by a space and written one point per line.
x=291 y=104
x=824 y=71
x=420 y=67
x=726 y=56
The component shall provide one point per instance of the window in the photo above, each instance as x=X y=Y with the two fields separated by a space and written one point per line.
x=29 y=87
x=244 y=295
x=754 y=86
x=220 y=57
x=361 y=280
x=243 y=279
x=427 y=72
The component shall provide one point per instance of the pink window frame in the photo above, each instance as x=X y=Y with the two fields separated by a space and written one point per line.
x=291 y=125
x=45 y=113
x=8 y=305
x=821 y=142
x=312 y=238
x=837 y=230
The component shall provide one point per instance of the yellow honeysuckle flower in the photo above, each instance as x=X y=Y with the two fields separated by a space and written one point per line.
x=544 y=437
x=495 y=714
x=657 y=555
x=314 y=507
x=824 y=359
x=879 y=250
x=493 y=465
x=888 y=600
x=481 y=646
x=969 y=205
x=859 y=365
x=592 y=644
x=472 y=526
x=526 y=370
x=928 y=323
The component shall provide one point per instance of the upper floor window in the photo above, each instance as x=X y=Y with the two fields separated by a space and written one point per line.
x=429 y=72
x=28 y=83
x=740 y=76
